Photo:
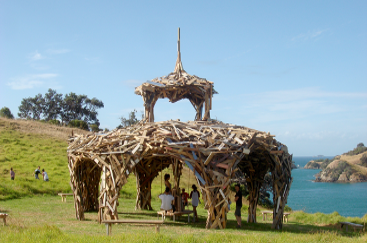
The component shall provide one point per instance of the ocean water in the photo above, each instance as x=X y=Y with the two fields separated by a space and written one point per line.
x=348 y=199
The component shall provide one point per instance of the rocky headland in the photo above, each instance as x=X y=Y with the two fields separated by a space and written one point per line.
x=348 y=167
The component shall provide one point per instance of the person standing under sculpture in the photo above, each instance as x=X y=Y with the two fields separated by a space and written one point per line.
x=194 y=196
x=184 y=197
x=167 y=183
x=238 y=199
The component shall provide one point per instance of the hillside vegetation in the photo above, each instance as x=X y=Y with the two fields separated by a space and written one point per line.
x=348 y=167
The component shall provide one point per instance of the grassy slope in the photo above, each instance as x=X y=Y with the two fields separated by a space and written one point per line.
x=44 y=217
x=353 y=160
x=24 y=152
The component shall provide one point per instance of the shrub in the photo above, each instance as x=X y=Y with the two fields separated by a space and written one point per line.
x=79 y=124
x=364 y=160
x=325 y=163
x=5 y=112
x=54 y=122
x=358 y=150
x=94 y=128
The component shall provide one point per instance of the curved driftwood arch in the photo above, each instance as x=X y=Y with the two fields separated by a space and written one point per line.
x=214 y=151
x=217 y=153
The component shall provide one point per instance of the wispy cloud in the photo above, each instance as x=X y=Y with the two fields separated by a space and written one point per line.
x=237 y=55
x=30 y=81
x=293 y=106
x=35 y=56
x=132 y=83
x=310 y=35
x=58 y=51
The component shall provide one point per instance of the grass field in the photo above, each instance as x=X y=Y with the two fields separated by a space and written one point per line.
x=36 y=214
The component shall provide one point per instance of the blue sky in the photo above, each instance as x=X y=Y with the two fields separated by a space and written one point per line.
x=297 y=69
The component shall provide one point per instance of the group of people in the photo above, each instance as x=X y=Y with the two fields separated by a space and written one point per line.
x=44 y=174
x=36 y=173
x=168 y=199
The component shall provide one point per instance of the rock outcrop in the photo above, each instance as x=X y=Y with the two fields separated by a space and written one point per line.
x=342 y=169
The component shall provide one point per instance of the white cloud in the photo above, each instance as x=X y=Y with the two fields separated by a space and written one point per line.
x=309 y=35
x=58 y=51
x=35 y=56
x=30 y=81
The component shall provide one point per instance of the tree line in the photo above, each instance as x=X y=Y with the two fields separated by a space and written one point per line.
x=71 y=109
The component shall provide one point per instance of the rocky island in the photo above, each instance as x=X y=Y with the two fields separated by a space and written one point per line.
x=348 y=167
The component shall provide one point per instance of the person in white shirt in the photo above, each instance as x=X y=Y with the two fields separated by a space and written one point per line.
x=44 y=174
x=195 y=195
x=166 y=200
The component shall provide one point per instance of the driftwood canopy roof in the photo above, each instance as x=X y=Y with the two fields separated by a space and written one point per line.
x=176 y=86
x=216 y=152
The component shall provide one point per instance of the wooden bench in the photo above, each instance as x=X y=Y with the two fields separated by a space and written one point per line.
x=109 y=223
x=265 y=213
x=63 y=196
x=174 y=214
x=355 y=226
x=3 y=216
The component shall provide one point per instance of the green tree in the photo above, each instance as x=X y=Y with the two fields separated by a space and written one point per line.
x=31 y=108
x=126 y=122
x=360 y=145
x=52 y=105
x=80 y=107
x=5 y=112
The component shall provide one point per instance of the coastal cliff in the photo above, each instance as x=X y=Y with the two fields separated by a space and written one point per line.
x=348 y=167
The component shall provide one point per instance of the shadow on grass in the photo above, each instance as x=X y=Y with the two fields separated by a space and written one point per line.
x=261 y=226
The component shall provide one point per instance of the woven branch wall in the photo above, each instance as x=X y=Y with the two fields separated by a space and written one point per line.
x=214 y=151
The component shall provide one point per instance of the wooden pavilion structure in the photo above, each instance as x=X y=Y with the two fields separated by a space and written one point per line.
x=176 y=86
x=216 y=152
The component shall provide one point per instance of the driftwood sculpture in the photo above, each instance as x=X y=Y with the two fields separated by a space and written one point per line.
x=216 y=152
x=176 y=86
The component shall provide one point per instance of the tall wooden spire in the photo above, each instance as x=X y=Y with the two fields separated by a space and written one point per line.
x=178 y=67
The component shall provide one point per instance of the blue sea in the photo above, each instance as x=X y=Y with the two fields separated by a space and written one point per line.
x=348 y=199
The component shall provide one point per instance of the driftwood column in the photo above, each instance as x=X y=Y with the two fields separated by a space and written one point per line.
x=282 y=181
x=110 y=191
x=177 y=172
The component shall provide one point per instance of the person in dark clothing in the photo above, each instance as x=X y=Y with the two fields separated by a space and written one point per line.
x=37 y=172
x=238 y=199
x=12 y=174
